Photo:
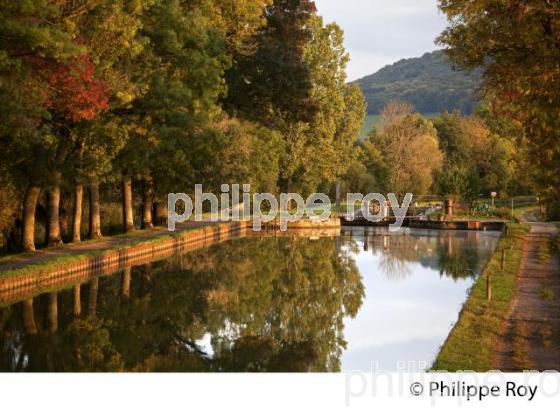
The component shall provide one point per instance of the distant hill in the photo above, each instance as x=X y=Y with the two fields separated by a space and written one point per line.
x=429 y=82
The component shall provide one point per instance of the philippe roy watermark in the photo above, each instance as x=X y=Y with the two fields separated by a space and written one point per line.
x=236 y=203
x=413 y=380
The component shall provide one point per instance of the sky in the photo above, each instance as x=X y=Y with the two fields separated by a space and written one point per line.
x=381 y=32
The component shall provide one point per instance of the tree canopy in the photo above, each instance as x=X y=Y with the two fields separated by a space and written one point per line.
x=516 y=46
x=152 y=96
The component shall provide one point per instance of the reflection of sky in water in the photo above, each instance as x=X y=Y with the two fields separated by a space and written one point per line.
x=405 y=317
x=205 y=344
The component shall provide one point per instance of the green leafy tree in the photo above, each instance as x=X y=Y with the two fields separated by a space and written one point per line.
x=516 y=45
x=329 y=139
x=408 y=151
x=37 y=46
x=476 y=160
x=272 y=85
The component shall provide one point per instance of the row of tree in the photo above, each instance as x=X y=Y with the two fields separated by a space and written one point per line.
x=114 y=98
x=450 y=155
x=517 y=44
x=160 y=95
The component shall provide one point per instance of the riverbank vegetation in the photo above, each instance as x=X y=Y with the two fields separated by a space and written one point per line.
x=44 y=263
x=471 y=343
x=516 y=45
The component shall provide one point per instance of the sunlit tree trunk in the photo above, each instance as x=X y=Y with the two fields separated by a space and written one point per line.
x=29 y=207
x=77 y=301
x=53 y=221
x=77 y=214
x=128 y=216
x=92 y=299
x=125 y=288
x=29 y=317
x=94 y=212
x=338 y=193
x=53 y=312
x=78 y=197
x=147 y=203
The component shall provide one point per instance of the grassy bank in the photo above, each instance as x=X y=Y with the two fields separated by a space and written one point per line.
x=470 y=344
x=70 y=253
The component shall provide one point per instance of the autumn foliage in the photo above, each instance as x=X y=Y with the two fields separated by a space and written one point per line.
x=73 y=91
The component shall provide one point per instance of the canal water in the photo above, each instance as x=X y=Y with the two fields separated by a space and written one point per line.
x=365 y=299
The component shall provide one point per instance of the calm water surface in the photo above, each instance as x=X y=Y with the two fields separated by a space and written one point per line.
x=365 y=298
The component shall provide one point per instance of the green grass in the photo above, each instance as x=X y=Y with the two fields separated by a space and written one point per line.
x=343 y=208
x=480 y=217
x=471 y=343
x=530 y=213
x=48 y=265
x=370 y=121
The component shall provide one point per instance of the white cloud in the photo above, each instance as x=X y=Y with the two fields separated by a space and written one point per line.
x=364 y=63
x=380 y=32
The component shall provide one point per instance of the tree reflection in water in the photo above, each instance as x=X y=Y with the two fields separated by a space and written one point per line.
x=251 y=304
x=262 y=304
x=454 y=254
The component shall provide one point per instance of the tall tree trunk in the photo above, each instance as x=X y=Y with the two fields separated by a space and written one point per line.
x=92 y=299
x=125 y=288
x=78 y=197
x=338 y=193
x=160 y=213
x=53 y=221
x=94 y=212
x=147 y=203
x=29 y=323
x=77 y=217
x=63 y=216
x=53 y=312
x=128 y=216
x=77 y=300
x=29 y=206
x=46 y=218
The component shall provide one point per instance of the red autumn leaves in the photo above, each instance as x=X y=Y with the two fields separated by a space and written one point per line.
x=73 y=91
